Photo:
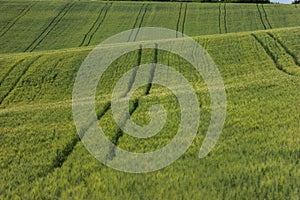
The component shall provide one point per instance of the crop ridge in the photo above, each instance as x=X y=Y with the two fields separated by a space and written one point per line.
x=141 y=22
x=286 y=49
x=178 y=20
x=50 y=27
x=18 y=79
x=261 y=17
x=19 y=16
x=105 y=9
x=184 y=18
x=266 y=16
x=270 y=54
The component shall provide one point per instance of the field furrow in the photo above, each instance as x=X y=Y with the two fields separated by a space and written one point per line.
x=50 y=27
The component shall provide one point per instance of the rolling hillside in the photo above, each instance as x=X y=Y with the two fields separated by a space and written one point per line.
x=43 y=44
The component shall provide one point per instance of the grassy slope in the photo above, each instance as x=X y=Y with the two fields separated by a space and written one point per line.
x=45 y=25
x=256 y=156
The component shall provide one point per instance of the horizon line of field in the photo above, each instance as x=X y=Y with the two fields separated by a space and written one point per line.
x=87 y=38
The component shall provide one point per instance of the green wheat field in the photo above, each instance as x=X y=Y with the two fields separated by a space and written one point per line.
x=256 y=48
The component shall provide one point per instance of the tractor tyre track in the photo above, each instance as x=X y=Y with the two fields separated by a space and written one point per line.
x=220 y=31
x=225 y=18
x=270 y=54
x=63 y=154
x=184 y=18
x=18 y=79
x=101 y=22
x=178 y=20
x=152 y=71
x=141 y=22
x=286 y=49
x=261 y=17
x=96 y=25
x=266 y=16
x=93 y=25
x=135 y=22
x=50 y=27
x=134 y=72
x=19 y=16
x=115 y=140
x=10 y=70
